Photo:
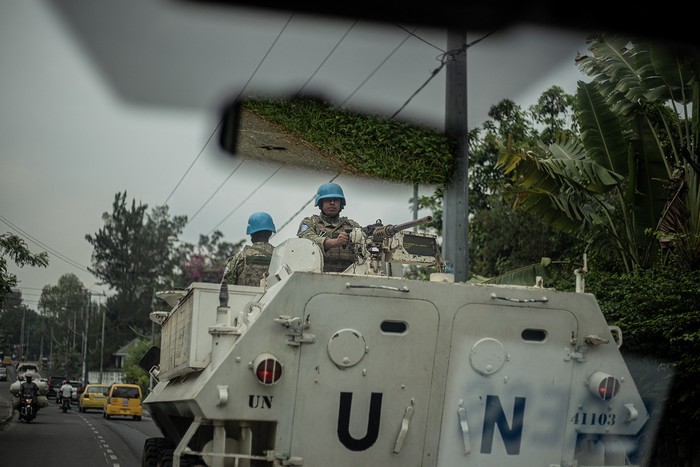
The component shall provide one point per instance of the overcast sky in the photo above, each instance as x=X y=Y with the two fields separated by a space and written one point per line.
x=103 y=97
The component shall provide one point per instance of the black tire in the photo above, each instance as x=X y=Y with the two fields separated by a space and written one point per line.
x=166 y=458
x=152 y=449
x=192 y=461
x=137 y=418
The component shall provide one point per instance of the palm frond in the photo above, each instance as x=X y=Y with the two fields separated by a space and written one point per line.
x=525 y=276
x=601 y=130
x=647 y=195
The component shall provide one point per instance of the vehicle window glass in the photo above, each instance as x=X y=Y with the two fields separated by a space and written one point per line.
x=129 y=393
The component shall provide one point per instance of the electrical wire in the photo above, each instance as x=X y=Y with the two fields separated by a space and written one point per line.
x=221 y=121
x=418 y=37
x=243 y=202
x=378 y=67
x=327 y=57
x=41 y=244
x=215 y=191
x=443 y=59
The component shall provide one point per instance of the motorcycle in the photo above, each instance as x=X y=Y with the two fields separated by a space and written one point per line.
x=65 y=404
x=27 y=408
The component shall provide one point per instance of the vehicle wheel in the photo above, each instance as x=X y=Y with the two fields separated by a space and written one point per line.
x=152 y=448
x=192 y=461
x=137 y=418
x=166 y=458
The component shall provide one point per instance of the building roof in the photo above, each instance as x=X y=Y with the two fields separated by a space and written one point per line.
x=124 y=350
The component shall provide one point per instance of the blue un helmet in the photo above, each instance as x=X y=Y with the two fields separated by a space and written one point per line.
x=260 y=221
x=330 y=190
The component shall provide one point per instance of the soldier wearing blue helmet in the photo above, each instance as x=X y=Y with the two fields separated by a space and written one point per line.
x=250 y=265
x=328 y=229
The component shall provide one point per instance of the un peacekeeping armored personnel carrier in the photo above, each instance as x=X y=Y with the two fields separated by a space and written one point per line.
x=368 y=368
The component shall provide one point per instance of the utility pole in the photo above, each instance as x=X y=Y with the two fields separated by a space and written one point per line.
x=455 y=219
x=51 y=350
x=41 y=341
x=21 y=336
x=75 y=331
x=102 y=342
x=85 y=337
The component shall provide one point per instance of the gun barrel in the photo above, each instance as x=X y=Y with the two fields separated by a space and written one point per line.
x=392 y=229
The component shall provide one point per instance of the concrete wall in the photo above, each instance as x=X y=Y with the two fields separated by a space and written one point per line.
x=108 y=377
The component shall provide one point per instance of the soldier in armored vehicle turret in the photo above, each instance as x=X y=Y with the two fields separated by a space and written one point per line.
x=329 y=230
x=248 y=266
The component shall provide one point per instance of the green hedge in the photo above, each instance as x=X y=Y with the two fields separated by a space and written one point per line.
x=659 y=313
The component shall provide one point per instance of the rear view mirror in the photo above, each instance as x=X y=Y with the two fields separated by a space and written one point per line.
x=308 y=133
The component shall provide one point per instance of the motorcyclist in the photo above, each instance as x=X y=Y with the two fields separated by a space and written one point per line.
x=28 y=387
x=65 y=391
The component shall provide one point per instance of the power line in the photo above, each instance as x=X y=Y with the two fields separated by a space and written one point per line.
x=418 y=37
x=216 y=191
x=327 y=57
x=201 y=151
x=41 y=244
x=221 y=121
x=443 y=59
x=243 y=202
x=378 y=67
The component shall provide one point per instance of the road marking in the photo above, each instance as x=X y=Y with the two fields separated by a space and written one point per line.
x=108 y=453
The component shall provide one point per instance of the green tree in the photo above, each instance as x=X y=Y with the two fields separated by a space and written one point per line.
x=13 y=313
x=16 y=248
x=132 y=254
x=634 y=171
x=501 y=239
x=205 y=262
x=659 y=312
x=66 y=360
x=133 y=373
x=63 y=308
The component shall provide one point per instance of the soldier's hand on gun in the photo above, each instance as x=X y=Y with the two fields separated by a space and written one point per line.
x=343 y=238
x=340 y=241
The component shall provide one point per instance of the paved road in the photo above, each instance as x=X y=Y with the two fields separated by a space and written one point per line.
x=68 y=439
x=5 y=401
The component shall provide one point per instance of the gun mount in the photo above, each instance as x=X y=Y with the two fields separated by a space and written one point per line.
x=382 y=250
x=379 y=232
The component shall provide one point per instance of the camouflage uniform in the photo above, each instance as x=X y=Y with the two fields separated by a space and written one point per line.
x=248 y=266
x=319 y=227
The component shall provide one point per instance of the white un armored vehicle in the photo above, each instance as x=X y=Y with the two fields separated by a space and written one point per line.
x=366 y=368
